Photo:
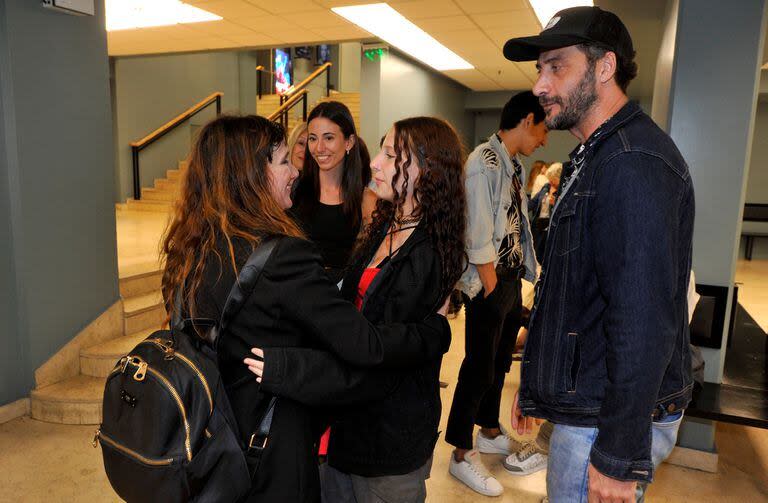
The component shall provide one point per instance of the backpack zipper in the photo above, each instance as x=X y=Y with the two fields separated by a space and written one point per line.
x=160 y=377
x=170 y=353
x=100 y=436
x=142 y=369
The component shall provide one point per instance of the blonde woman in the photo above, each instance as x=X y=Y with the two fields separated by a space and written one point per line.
x=297 y=145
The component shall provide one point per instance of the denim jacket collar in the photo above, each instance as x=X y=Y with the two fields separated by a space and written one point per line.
x=624 y=115
x=509 y=167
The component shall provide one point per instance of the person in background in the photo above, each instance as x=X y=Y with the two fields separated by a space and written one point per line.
x=384 y=424
x=297 y=145
x=536 y=178
x=234 y=196
x=500 y=252
x=540 y=207
x=330 y=195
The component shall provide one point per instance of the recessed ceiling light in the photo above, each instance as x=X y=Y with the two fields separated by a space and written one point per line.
x=545 y=9
x=129 y=14
x=386 y=23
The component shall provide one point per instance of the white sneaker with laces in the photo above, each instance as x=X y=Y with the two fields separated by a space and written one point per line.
x=473 y=473
x=502 y=444
x=529 y=459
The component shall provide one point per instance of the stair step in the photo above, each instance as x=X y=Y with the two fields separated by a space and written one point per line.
x=146 y=205
x=142 y=312
x=168 y=184
x=159 y=195
x=76 y=400
x=173 y=174
x=141 y=284
x=99 y=360
x=142 y=303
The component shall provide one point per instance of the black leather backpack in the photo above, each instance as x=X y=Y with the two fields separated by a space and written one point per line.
x=168 y=432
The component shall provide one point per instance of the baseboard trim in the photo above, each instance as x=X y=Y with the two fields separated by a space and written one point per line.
x=693 y=458
x=66 y=362
x=11 y=411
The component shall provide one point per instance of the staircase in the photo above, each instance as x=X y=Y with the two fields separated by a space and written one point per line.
x=77 y=400
x=161 y=196
x=268 y=103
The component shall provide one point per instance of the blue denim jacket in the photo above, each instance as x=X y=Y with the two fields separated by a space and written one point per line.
x=489 y=173
x=608 y=335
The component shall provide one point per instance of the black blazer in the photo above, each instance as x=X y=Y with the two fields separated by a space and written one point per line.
x=294 y=304
x=384 y=422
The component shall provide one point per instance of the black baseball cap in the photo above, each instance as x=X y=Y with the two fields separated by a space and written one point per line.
x=577 y=25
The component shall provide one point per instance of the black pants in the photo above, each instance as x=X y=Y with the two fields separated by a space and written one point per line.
x=539 y=232
x=491 y=330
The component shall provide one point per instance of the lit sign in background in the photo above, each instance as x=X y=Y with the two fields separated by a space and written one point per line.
x=282 y=71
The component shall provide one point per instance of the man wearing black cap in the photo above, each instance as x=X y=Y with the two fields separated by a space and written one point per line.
x=607 y=356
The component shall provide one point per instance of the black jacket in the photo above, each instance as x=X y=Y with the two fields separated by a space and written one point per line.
x=294 y=304
x=384 y=422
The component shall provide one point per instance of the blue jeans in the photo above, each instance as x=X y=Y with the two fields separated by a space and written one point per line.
x=568 y=460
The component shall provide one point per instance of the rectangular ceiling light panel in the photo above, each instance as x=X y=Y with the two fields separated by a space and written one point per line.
x=130 y=14
x=389 y=25
x=545 y=9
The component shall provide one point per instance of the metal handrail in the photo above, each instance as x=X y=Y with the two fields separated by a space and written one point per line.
x=281 y=114
x=139 y=145
x=259 y=69
x=312 y=76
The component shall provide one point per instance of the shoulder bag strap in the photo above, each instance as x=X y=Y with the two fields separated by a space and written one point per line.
x=243 y=286
x=239 y=293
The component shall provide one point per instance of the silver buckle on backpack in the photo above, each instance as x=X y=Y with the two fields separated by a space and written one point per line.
x=255 y=439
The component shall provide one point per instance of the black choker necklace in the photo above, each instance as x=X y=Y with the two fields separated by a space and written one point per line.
x=409 y=220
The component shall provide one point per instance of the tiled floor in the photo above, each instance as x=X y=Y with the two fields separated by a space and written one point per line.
x=56 y=463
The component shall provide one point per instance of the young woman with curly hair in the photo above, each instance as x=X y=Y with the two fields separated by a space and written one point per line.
x=234 y=196
x=384 y=423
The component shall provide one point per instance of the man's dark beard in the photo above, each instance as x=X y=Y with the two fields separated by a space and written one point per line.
x=576 y=104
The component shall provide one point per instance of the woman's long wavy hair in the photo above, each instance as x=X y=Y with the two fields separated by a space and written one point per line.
x=356 y=174
x=225 y=193
x=438 y=192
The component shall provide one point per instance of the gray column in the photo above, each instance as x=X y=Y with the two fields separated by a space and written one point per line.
x=705 y=96
x=712 y=94
x=58 y=259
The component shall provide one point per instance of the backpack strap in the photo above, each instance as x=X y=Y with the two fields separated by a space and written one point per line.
x=244 y=285
x=241 y=290
x=260 y=437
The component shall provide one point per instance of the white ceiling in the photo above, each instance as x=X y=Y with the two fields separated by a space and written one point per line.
x=474 y=29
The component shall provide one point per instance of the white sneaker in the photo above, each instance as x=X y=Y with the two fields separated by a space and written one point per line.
x=502 y=444
x=473 y=473
x=529 y=459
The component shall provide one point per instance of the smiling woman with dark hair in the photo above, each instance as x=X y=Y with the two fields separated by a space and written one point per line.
x=384 y=423
x=330 y=194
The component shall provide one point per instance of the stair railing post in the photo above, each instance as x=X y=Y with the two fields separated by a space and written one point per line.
x=218 y=104
x=136 y=174
x=258 y=82
x=304 y=107
x=327 y=82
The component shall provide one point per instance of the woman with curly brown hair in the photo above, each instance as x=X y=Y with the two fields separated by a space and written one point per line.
x=234 y=196
x=384 y=423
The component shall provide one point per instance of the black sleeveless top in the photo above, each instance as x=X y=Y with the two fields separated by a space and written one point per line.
x=331 y=230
